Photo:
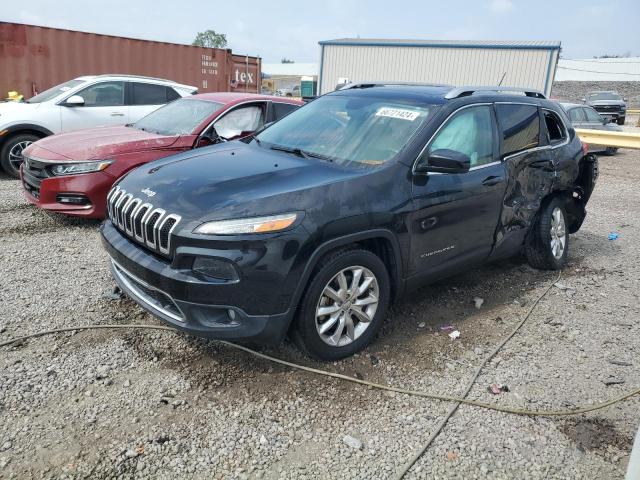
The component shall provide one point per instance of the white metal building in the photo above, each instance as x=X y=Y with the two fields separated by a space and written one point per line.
x=518 y=64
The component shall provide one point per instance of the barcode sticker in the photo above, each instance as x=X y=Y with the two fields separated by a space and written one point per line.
x=397 y=113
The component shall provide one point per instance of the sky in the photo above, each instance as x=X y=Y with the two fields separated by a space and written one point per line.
x=274 y=30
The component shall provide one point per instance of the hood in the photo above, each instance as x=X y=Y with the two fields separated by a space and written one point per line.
x=16 y=111
x=103 y=142
x=595 y=103
x=233 y=179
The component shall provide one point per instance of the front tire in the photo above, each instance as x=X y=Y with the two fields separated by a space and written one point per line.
x=621 y=120
x=548 y=242
x=611 y=150
x=344 y=305
x=11 y=153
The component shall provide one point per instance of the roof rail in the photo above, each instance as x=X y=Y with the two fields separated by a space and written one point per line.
x=135 y=76
x=470 y=90
x=368 y=84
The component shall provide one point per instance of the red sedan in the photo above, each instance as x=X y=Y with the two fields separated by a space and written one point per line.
x=72 y=173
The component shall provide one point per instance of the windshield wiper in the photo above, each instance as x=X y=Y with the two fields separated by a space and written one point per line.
x=296 y=151
x=301 y=153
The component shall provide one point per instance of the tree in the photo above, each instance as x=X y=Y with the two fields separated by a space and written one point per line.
x=286 y=60
x=210 y=39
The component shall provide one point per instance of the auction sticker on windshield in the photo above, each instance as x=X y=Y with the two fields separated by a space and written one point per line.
x=397 y=113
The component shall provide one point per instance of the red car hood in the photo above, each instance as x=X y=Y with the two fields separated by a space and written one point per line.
x=102 y=143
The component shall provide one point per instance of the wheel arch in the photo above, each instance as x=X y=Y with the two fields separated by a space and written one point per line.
x=381 y=242
x=22 y=128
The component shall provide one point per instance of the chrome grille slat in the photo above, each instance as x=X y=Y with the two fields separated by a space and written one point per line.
x=140 y=221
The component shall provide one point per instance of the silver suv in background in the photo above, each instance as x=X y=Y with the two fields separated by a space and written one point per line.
x=84 y=102
x=608 y=103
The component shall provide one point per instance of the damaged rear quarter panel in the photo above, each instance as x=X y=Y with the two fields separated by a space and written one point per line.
x=532 y=176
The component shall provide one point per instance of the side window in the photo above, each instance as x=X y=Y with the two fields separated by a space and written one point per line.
x=148 y=94
x=240 y=121
x=470 y=132
x=282 y=110
x=172 y=94
x=519 y=127
x=555 y=128
x=576 y=115
x=105 y=94
x=592 y=115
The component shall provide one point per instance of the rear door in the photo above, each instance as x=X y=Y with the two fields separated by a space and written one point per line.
x=455 y=215
x=143 y=98
x=529 y=167
x=104 y=104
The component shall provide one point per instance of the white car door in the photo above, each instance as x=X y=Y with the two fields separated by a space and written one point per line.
x=144 y=98
x=104 y=104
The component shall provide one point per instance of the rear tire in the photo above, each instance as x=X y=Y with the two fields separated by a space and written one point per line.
x=344 y=305
x=11 y=153
x=548 y=242
x=621 y=120
x=611 y=150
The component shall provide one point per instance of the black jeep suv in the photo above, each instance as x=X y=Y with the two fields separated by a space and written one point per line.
x=316 y=224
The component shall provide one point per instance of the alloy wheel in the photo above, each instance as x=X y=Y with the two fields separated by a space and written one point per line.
x=15 y=154
x=347 y=306
x=558 y=233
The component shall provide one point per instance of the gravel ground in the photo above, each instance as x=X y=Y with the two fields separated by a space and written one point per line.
x=106 y=404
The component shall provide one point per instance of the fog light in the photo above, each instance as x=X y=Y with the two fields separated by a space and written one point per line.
x=215 y=268
x=72 y=199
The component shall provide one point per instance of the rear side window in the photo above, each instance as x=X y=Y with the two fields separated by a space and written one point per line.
x=282 y=109
x=519 y=127
x=556 y=132
x=150 y=94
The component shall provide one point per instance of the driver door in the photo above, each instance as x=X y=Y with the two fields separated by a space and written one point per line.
x=103 y=105
x=456 y=214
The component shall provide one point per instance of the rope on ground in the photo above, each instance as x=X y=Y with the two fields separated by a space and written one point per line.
x=407 y=466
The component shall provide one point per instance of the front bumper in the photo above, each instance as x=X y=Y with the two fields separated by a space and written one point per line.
x=189 y=303
x=45 y=192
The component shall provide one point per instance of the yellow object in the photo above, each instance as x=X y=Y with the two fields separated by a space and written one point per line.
x=609 y=139
x=14 y=96
x=633 y=111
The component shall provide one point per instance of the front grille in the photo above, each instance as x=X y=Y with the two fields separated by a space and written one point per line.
x=140 y=221
x=33 y=172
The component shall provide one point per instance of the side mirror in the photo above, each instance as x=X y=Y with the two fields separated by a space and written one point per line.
x=625 y=99
x=74 y=101
x=584 y=100
x=444 y=161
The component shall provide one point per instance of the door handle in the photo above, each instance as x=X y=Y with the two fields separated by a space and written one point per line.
x=491 y=181
x=117 y=114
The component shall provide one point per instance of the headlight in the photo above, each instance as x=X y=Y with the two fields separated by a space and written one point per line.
x=75 y=168
x=272 y=223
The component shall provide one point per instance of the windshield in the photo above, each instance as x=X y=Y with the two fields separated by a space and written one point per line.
x=53 y=92
x=178 y=118
x=604 y=96
x=344 y=128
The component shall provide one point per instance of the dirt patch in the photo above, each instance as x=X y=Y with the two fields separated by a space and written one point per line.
x=595 y=434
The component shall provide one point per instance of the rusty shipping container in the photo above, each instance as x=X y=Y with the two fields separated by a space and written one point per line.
x=34 y=58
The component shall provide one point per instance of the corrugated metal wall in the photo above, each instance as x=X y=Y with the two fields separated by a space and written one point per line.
x=532 y=68
x=35 y=58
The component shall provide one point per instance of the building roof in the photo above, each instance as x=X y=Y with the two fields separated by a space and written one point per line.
x=599 y=69
x=502 y=44
x=291 y=69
